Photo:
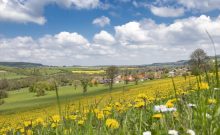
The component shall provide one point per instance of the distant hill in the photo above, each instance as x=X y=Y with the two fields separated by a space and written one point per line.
x=20 y=64
x=178 y=63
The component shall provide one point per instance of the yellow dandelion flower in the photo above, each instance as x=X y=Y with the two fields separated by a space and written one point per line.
x=56 y=118
x=80 y=122
x=157 y=116
x=204 y=86
x=139 y=104
x=29 y=132
x=212 y=101
x=27 y=123
x=169 y=104
x=112 y=123
x=100 y=115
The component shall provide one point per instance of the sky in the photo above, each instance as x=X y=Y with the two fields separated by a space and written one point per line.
x=106 y=32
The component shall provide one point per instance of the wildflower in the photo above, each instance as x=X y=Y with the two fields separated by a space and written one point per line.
x=191 y=105
x=73 y=117
x=80 y=122
x=208 y=116
x=142 y=96
x=100 y=115
x=53 y=125
x=191 y=132
x=204 y=86
x=22 y=130
x=212 y=101
x=172 y=132
x=147 y=133
x=157 y=116
x=56 y=118
x=169 y=104
x=39 y=121
x=139 y=104
x=216 y=89
x=27 y=123
x=112 y=123
x=163 y=108
x=29 y=132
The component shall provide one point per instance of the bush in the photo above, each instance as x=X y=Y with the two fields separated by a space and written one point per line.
x=32 y=89
x=40 y=92
x=3 y=94
x=1 y=101
x=46 y=86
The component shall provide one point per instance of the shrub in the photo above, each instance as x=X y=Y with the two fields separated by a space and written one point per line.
x=46 y=86
x=1 y=101
x=40 y=92
x=32 y=89
x=3 y=94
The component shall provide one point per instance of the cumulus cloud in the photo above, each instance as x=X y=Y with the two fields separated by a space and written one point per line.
x=135 y=42
x=24 y=11
x=104 y=38
x=101 y=21
x=167 y=11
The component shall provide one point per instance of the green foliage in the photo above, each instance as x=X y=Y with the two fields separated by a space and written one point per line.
x=85 y=81
x=111 y=73
x=1 y=101
x=40 y=92
x=3 y=94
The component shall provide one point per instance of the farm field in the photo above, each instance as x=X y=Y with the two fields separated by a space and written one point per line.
x=20 y=101
x=10 y=75
x=89 y=71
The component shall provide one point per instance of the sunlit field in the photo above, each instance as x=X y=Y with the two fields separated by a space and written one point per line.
x=89 y=71
x=73 y=101
x=109 y=67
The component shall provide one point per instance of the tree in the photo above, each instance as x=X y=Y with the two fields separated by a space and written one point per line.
x=111 y=73
x=126 y=76
x=76 y=84
x=198 y=62
x=136 y=77
x=84 y=83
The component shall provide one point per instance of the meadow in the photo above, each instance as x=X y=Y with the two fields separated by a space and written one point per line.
x=74 y=101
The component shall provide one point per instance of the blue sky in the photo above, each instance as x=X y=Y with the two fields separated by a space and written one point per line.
x=100 y=32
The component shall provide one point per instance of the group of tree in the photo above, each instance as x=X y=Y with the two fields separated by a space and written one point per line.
x=3 y=90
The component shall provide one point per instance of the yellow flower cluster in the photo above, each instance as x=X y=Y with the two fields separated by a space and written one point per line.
x=112 y=123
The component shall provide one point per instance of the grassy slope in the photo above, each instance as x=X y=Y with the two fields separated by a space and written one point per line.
x=22 y=100
x=10 y=75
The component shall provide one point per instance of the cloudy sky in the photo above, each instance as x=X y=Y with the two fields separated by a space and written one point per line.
x=106 y=32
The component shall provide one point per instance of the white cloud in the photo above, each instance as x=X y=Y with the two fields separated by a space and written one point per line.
x=201 y=5
x=167 y=11
x=24 y=11
x=136 y=42
x=104 y=38
x=101 y=21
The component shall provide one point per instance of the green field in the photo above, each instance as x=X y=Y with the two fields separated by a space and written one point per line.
x=10 y=75
x=22 y=100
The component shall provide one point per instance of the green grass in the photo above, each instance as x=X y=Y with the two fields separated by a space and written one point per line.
x=21 y=100
x=10 y=75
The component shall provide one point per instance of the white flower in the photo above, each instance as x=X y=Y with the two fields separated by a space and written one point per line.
x=191 y=105
x=171 y=109
x=163 y=108
x=172 y=132
x=208 y=116
x=147 y=133
x=191 y=132
x=216 y=89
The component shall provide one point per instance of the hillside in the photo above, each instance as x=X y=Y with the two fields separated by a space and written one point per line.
x=20 y=64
